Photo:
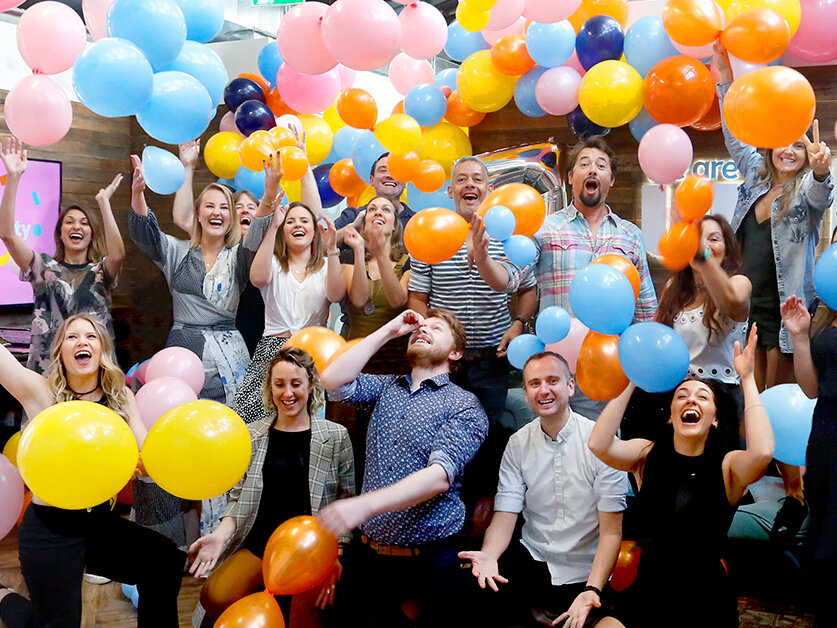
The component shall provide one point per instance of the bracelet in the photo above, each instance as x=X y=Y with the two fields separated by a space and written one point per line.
x=330 y=253
x=753 y=405
x=595 y=590
x=271 y=204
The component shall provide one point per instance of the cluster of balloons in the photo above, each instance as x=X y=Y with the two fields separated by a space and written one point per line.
x=513 y=213
x=680 y=242
x=553 y=325
x=323 y=344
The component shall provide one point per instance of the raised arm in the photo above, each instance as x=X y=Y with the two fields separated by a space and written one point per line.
x=625 y=455
x=113 y=238
x=731 y=294
x=798 y=323
x=310 y=194
x=14 y=158
x=260 y=269
x=138 y=203
x=183 y=210
x=28 y=387
x=272 y=179
x=335 y=287
x=359 y=286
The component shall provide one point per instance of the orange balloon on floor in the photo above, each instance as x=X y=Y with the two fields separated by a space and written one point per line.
x=298 y=556
x=757 y=36
x=678 y=90
x=693 y=22
x=598 y=372
x=430 y=176
x=403 y=168
x=435 y=234
x=320 y=342
x=510 y=56
x=617 y=9
x=259 y=610
x=693 y=197
x=344 y=180
x=357 y=108
x=624 y=266
x=526 y=204
x=679 y=245
x=460 y=114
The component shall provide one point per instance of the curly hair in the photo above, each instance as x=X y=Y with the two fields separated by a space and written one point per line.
x=302 y=359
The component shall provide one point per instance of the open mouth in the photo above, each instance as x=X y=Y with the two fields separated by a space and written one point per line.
x=83 y=357
x=470 y=197
x=421 y=340
x=690 y=416
x=76 y=237
x=546 y=402
x=591 y=186
x=245 y=220
x=378 y=221
x=298 y=233
x=289 y=404
x=390 y=183
x=216 y=222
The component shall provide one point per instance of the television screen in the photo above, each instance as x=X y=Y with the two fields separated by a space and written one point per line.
x=36 y=212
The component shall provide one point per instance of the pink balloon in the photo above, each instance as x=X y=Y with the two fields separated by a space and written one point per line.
x=161 y=395
x=362 y=34
x=5 y=5
x=406 y=72
x=570 y=346
x=698 y=52
x=550 y=11
x=306 y=93
x=740 y=67
x=424 y=31
x=96 y=16
x=816 y=37
x=575 y=64
x=50 y=36
x=38 y=111
x=227 y=123
x=179 y=363
x=517 y=28
x=557 y=90
x=347 y=77
x=300 y=39
x=141 y=372
x=665 y=152
x=504 y=14
x=11 y=495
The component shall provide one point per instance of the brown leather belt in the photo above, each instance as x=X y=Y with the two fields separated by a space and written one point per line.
x=385 y=549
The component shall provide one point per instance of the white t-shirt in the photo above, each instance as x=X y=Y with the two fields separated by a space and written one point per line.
x=290 y=305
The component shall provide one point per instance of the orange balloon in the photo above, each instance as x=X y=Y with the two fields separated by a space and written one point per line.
x=255 y=150
x=435 y=234
x=430 y=176
x=770 y=108
x=357 y=108
x=624 y=266
x=320 y=342
x=711 y=121
x=679 y=244
x=598 y=372
x=510 y=56
x=258 y=80
x=126 y=495
x=398 y=108
x=403 y=168
x=259 y=610
x=275 y=103
x=294 y=163
x=617 y=9
x=693 y=22
x=349 y=344
x=757 y=36
x=344 y=180
x=298 y=556
x=27 y=499
x=460 y=114
x=282 y=137
x=678 y=90
x=693 y=197
x=627 y=563
x=526 y=204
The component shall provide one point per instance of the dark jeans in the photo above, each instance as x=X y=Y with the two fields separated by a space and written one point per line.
x=481 y=372
x=55 y=545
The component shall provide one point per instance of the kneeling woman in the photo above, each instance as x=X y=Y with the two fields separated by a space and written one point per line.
x=689 y=488
x=55 y=544
x=300 y=464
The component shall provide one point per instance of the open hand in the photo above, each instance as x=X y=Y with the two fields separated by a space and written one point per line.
x=795 y=316
x=745 y=359
x=353 y=239
x=343 y=515
x=272 y=176
x=106 y=193
x=485 y=569
x=329 y=233
x=137 y=183
x=204 y=554
x=189 y=152
x=576 y=615
x=14 y=157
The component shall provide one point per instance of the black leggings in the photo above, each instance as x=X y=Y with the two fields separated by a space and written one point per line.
x=55 y=545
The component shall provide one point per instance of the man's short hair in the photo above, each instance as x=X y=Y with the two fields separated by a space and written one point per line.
x=466 y=159
x=375 y=164
x=550 y=354
x=456 y=327
x=597 y=142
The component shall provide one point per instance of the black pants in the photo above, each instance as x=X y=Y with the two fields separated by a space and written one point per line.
x=481 y=372
x=55 y=545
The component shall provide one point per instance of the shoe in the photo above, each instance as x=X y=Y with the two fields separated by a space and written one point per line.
x=89 y=577
x=788 y=521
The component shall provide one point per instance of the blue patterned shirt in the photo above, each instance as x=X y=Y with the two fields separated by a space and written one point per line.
x=440 y=423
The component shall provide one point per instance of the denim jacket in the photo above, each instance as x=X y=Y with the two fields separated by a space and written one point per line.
x=794 y=235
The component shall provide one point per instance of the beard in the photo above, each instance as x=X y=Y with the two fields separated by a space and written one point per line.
x=425 y=356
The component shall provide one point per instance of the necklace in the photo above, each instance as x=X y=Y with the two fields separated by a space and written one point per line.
x=81 y=394
x=299 y=271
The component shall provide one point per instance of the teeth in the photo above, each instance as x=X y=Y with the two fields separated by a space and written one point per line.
x=245 y=220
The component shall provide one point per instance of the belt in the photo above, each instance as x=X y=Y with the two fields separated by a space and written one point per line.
x=386 y=549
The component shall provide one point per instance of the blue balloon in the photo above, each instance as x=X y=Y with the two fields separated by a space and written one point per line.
x=550 y=45
x=553 y=324
x=157 y=27
x=328 y=196
x=602 y=298
x=499 y=222
x=344 y=141
x=367 y=150
x=426 y=104
x=230 y=183
x=113 y=78
x=825 y=277
x=600 y=38
x=461 y=44
x=524 y=93
x=241 y=90
x=418 y=200
x=521 y=250
x=653 y=356
x=204 y=18
x=252 y=116
x=180 y=109
x=522 y=348
x=582 y=126
x=269 y=61
x=647 y=43
x=447 y=78
x=162 y=171
x=202 y=62
x=641 y=123
x=131 y=591
x=791 y=415
x=251 y=181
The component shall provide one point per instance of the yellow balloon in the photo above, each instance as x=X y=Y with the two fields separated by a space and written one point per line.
x=318 y=138
x=471 y=20
x=221 y=154
x=77 y=454
x=477 y=5
x=333 y=118
x=617 y=9
x=198 y=450
x=788 y=9
x=611 y=93
x=482 y=86
x=292 y=190
x=399 y=134
x=444 y=143
x=10 y=448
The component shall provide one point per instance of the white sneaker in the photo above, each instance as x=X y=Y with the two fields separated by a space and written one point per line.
x=89 y=577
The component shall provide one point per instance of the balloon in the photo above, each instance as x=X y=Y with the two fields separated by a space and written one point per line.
x=524 y=93
x=461 y=43
x=600 y=283
x=246 y=179
x=179 y=111
x=444 y=143
x=704 y=53
x=825 y=277
x=523 y=200
x=582 y=126
x=569 y=347
x=162 y=171
x=423 y=30
x=204 y=64
x=157 y=27
x=419 y=199
x=347 y=77
x=522 y=348
x=665 y=152
x=473 y=21
x=255 y=151
x=344 y=180
x=499 y=222
x=740 y=68
x=252 y=116
x=269 y=60
x=504 y=13
x=307 y=94
x=520 y=250
x=256 y=610
x=240 y=90
x=693 y=197
x=50 y=35
x=10 y=448
x=362 y=34
x=791 y=415
x=556 y=91
x=757 y=36
x=550 y=45
x=553 y=324
x=320 y=342
x=653 y=356
x=221 y=154
x=624 y=266
x=617 y=9
x=406 y=72
x=788 y=9
x=679 y=245
x=610 y=93
x=294 y=163
x=198 y=450
x=434 y=235
x=600 y=38
x=598 y=373
x=460 y=114
x=678 y=90
x=298 y=556
x=647 y=43
x=161 y=395
x=278 y=106
x=482 y=86
x=204 y=18
x=178 y=362
x=711 y=121
x=95 y=14
x=366 y=152
x=258 y=80
x=510 y=56
x=430 y=176
x=300 y=39
x=816 y=39
x=328 y=197
x=399 y=133
x=447 y=78
x=291 y=122
x=549 y=11
x=770 y=108
x=38 y=111
x=357 y=108
x=403 y=168
x=426 y=104
x=92 y=440
x=11 y=495
x=318 y=138
x=640 y=125
x=332 y=117
x=344 y=141
x=627 y=565
x=27 y=499
x=693 y=22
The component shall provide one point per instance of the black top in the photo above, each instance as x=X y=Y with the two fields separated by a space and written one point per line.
x=249 y=319
x=824 y=355
x=759 y=264
x=285 y=491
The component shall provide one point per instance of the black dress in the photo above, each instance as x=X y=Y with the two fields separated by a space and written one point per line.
x=756 y=240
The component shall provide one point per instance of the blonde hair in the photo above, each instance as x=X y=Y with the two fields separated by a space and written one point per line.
x=768 y=171
x=302 y=359
x=111 y=377
x=233 y=235
x=96 y=249
x=280 y=249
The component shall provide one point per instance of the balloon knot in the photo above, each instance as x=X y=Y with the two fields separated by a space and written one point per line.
x=36 y=71
x=662 y=189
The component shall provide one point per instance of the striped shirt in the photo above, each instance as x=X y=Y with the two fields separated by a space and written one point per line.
x=454 y=285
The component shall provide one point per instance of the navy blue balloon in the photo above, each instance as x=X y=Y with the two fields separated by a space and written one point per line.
x=600 y=38
x=328 y=196
x=241 y=90
x=269 y=61
x=524 y=93
x=653 y=356
x=825 y=277
x=426 y=104
x=582 y=126
x=602 y=298
x=251 y=181
x=461 y=44
x=522 y=348
x=252 y=116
